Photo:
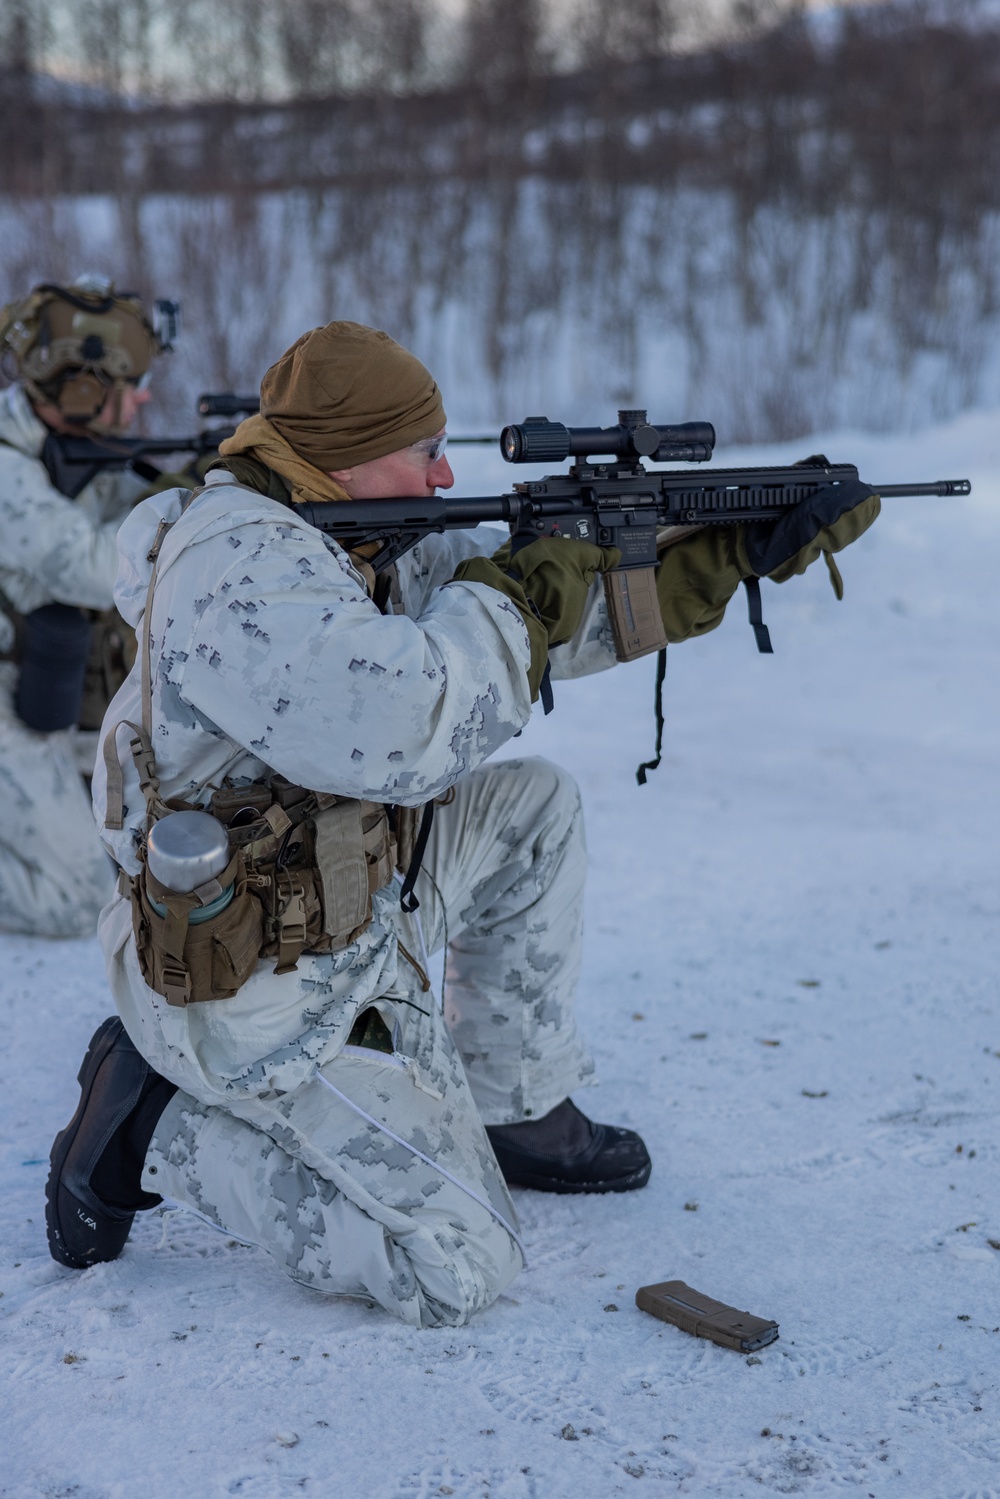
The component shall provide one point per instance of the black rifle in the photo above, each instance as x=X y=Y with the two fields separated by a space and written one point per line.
x=619 y=504
x=72 y=462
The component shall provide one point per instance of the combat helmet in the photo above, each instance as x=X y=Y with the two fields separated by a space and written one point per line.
x=74 y=345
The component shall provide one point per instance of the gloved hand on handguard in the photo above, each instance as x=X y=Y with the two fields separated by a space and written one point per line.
x=698 y=575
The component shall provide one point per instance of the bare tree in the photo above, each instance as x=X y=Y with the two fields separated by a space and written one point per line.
x=625 y=30
x=505 y=44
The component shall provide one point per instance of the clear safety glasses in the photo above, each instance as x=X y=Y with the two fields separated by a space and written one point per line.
x=431 y=447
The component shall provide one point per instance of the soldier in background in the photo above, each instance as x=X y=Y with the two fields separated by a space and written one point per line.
x=82 y=355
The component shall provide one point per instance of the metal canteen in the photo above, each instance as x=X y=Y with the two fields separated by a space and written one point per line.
x=186 y=849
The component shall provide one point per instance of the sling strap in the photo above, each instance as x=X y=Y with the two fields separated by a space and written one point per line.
x=141 y=744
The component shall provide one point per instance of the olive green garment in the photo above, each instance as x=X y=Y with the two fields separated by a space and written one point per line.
x=851 y=525
x=551 y=582
x=183 y=478
x=698 y=576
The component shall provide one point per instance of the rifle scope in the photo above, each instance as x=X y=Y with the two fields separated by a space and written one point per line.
x=537 y=440
x=226 y=404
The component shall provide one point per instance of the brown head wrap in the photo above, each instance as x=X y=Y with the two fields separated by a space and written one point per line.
x=344 y=394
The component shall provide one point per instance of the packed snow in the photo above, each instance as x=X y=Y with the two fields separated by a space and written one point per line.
x=790 y=990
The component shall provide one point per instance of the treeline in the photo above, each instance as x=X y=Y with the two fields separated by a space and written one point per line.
x=249 y=50
x=894 y=103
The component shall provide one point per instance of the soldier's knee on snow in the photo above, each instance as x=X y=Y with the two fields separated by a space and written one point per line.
x=475 y=1266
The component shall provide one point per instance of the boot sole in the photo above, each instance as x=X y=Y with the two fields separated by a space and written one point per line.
x=539 y=1183
x=101 y=1043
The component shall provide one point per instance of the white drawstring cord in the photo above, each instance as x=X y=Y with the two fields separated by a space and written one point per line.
x=171 y=1208
x=428 y=1160
x=425 y=958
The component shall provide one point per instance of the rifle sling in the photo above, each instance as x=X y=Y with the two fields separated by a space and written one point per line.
x=408 y=902
x=661 y=673
x=755 y=612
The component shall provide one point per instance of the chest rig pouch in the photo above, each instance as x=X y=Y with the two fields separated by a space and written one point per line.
x=303 y=869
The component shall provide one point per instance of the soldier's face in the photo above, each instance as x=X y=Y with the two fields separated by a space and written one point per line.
x=409 y=474
x=133 y=397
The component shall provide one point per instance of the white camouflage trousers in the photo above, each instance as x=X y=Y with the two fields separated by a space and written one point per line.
x=54 y=873
x=376 y=1176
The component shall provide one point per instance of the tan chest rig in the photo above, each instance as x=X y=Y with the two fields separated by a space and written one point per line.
x=304 y=866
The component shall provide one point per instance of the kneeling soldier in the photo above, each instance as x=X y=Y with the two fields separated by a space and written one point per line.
x=280 y=1064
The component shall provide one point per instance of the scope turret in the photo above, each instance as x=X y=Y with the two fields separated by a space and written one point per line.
x=537 y=440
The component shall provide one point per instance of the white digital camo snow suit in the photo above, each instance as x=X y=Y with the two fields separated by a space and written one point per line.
x=54 y=874
x=360 y=1172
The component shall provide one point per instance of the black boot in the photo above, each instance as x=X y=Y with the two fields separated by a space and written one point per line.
x=93 y=1191
x=567 y=1152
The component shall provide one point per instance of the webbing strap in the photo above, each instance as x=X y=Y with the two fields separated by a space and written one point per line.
x=545 y=690
x=418 y=968
x=755 y=611
x=142 y=743
x=836 y=581
x=661 y=673
x=407 y=900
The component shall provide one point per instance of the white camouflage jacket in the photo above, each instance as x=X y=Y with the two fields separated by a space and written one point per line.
x=52 y=549
x=268 y=653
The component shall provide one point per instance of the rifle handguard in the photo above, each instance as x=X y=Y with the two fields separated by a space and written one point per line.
x=634 y=612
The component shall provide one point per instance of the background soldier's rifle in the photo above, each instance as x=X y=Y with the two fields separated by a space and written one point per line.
x=72 y=462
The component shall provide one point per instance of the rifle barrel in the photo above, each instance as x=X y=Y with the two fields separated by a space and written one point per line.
x=943 y=487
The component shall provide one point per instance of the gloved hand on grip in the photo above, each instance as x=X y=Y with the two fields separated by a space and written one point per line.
x=548 y=581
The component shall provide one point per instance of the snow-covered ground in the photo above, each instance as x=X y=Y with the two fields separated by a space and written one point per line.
x=790 y=989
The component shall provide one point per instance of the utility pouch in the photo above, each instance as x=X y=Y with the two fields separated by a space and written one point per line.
x=354 y=859
x=693 y=1312
x=199 y=946
x=634 y=612
x=55 y=645
x=313 y=860
x=407 y=825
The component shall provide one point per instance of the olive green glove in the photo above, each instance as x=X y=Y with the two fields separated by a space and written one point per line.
x=548 y=582
x=191 y=477
x=696 y=579
x=698 y=576
x=826 y=522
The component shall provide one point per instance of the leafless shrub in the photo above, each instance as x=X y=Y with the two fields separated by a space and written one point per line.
x=823 y=173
